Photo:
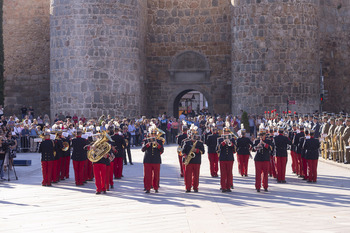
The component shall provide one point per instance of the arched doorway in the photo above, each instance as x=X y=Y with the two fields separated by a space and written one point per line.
x=184 y=99
x=190 y=102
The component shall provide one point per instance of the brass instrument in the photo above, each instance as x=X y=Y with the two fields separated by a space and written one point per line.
x=100 y=148
x=65 y=146
x=191 y=154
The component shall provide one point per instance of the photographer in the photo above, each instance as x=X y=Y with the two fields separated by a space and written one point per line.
x=8 y=145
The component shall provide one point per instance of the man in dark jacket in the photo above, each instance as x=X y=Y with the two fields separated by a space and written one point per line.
x=311 y=147
x=262 y=161
x=180 y=141
x=79 y=157
x=281 y=142
x=46 y=149
x=243 y=153
x=152 y=160
x=119 y=144
x=211 y=142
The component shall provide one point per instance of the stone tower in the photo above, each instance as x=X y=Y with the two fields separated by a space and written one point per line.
x=275 y=55
x=97 y=57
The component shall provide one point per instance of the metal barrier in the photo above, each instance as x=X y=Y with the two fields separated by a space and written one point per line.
x=24 y=144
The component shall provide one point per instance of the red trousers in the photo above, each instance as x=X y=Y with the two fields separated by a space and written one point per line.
x=312 y=165
x=243 y=164
x=62 y=172
x=214 y=163
x=47 y=168
x=89 y=174
x=118 y=167
x=304 y=162
x=272 y=169
x=109 y=175
x=294 y=161
x=55 y=170
x=151 y=175
x=79 y=171
x=100 y=176
x=261 y=173
x=181 y=165
x=226 y=174
x=299 y=165
x=192 y=176
x=281 y=168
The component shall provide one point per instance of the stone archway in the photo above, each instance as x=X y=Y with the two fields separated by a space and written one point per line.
x=178 y=93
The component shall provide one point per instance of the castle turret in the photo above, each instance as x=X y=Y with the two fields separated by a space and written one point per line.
x=97 y=57
x=275 y=57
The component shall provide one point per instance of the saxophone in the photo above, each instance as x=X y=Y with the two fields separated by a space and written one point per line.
x=191 y=154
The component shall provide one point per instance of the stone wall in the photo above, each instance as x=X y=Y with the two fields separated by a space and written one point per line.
x=97 y=57
x=335 y=53
x=27 y=53
x=176 y=26
x=275 y=55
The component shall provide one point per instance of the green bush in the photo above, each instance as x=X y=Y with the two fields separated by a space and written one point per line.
x=245 y=121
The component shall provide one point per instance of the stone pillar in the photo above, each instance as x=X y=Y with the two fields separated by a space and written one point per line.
x=275 y=55
x=97 y=57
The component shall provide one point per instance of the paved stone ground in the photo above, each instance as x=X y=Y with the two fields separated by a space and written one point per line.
x=26 y=206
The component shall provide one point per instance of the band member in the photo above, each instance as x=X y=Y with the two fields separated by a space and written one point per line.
x=46 y=149
x=262 y=161
x=65 y=158
x=345 y=137
x=272 y=168
x=180 y=141
x=212 y=143
x=293 y=150
x=100 y=173
x=192 y=153
x=226 y=148
x=324 y=132
x=281 y=142
x=296 y=143
x=127 y=138
x=330 y=153
x=57 y=158
x=243 y=153
x=88 y=169
x=119 y=145
x=79 y=157
x=311 y=147
x=153 y=149
x=110 y=165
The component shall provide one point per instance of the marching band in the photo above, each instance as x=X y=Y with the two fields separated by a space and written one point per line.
x=100 y=155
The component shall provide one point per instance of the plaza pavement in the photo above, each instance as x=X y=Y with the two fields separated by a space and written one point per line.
x=26 y=206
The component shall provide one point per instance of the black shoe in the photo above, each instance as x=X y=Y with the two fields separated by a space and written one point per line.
x=223 y=190
x=156 y=190
x=229 y=190
x=188 y=191
x=314 y=181
x=118 y=178
x=112 y=187
x=283 y=181
x=104 y=192
x=55 y=182
x=266 y=190
x=147 y=191
x=278 y=181
x=144 y=189
x=131 y=164
x=182 y=175
x=258 y=190
x=125 y=164
x=246 y=175
x=346 y=162
x=270 y=175
x=304 y=178
x=98 y=193
x=232 y=187
x=122 y=176
x=196 y=190
x=309 y=181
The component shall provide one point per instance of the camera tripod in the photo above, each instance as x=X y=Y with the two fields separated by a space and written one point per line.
x=8 y=164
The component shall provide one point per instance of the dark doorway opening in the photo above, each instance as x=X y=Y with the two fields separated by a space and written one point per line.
x=190 y=102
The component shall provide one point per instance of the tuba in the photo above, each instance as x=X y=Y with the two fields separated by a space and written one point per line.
x=100 y=148
x=65 y=146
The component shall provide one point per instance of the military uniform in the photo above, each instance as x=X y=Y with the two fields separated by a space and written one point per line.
x=79 y=157
x=262 y=163
x=298 y=146
x=226 y=158
x=151 y=163
x=65 y=161
x=324 y=132
x=345 y=137
x=180 y=141
x=47 y=157
x=243 y=153
x=211 y=142
x=340 y=143
x=127 y=138
x=119 y=144
x=311 y=147
x=100 y=173
x=192 y=169
x=281 y=142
